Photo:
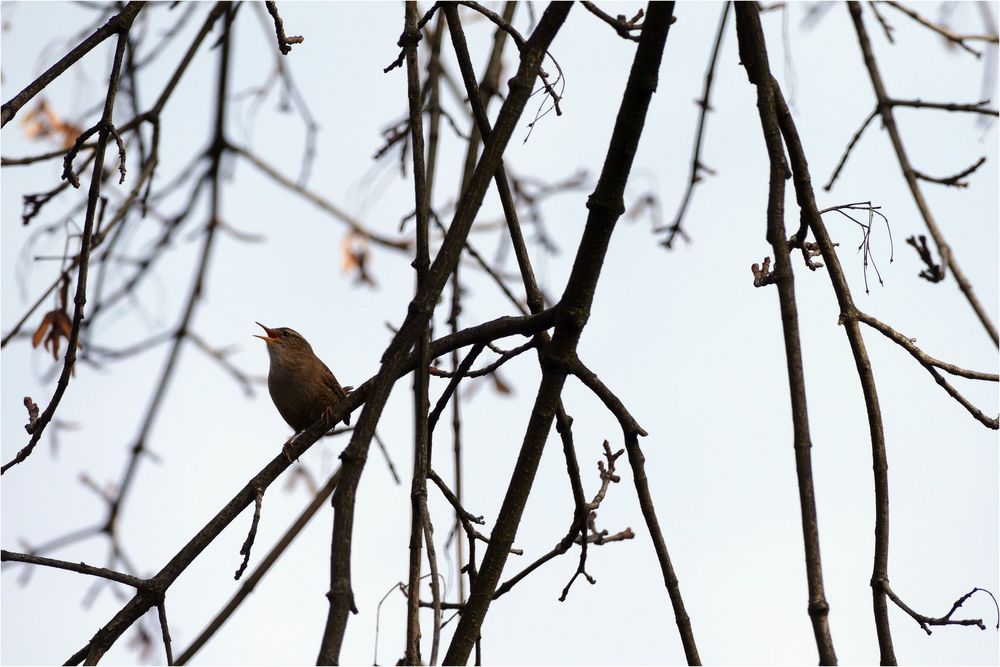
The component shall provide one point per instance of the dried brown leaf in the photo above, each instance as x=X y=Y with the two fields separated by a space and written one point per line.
x=43 y=121
x=500 y=386
x=55 y=324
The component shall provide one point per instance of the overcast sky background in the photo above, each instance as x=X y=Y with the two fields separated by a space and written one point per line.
x=683 y=337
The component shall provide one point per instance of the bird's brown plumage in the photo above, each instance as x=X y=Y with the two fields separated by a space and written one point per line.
x=301 y=386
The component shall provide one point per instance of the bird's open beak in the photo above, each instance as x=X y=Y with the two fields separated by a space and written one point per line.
x=271 y=336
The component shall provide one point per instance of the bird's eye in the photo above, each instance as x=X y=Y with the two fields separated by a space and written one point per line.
x=284 y=334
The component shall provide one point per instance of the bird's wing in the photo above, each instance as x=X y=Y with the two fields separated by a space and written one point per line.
x=332 y=383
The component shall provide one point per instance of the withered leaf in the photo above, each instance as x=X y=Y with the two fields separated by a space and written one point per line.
x=55 y=324
x=301 y=476
x=354 y=257
x=501 y=387
x=43 y=121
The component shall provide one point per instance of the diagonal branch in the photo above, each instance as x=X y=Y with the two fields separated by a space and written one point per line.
x=319 y=499
x=116 y=25
x=932 y=364
x=122 y=23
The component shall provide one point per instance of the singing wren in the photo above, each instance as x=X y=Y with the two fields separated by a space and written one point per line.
x=301 y=386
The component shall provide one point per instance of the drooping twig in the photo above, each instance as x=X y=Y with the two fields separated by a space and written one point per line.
x=251 y=535
x=954 y=181
x=847 y=151
x=465 y=517
x=284 y=42
x=456 y=377
x=388 y=459
x=933 y=271
x=978 y=107
x=926 y=621
x=608 y=477
x=519 y=40
x=886 y=28
x=932 y=364
x=290 y=91
x=161 y=609
x=866 y=237
x=697 y=166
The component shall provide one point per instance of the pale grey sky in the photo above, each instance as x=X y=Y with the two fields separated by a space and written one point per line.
x=683 y=337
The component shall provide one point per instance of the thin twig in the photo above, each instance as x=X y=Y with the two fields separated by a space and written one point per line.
x=954 y=181
x=931 y=364
x=332 y=209
x=926 y=621
x=82 y=568
x=886 y=28
x=621 y=26
x=704 y=106
x=284 y=42
x=161 y=610
x=435 y=578
x=847 y=151
x=976 y=107
x=251 y=535
x=958 y=40
x=491 y=368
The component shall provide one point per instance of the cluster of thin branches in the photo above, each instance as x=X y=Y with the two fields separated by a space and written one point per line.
x=96 y=247
x=552 y=326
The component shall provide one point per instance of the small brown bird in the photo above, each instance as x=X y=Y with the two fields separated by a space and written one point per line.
x=301 y=386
